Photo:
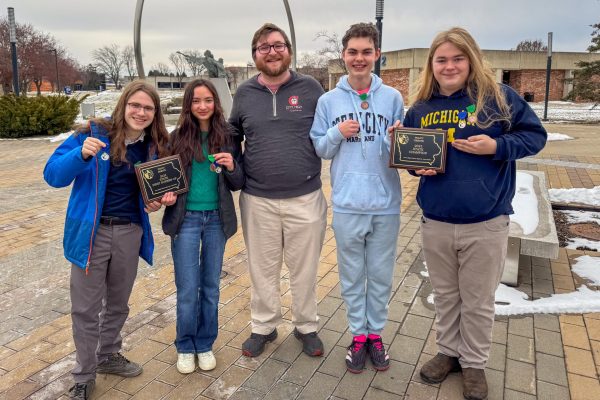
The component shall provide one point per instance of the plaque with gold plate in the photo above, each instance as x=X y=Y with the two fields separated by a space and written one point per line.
x=414 y=148
x=158 y=177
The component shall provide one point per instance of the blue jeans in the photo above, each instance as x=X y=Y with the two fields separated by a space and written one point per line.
x=197 y=277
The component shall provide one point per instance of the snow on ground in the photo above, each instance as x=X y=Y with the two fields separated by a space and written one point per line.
x=576 y=195
x=525 y=204
x=566 y=111
x=577 y=217
x=510 y=301
x=589 y=268
x=577 y=242
x=552 y=137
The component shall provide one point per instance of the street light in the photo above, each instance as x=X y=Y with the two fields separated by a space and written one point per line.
x=248 y=65
x=56 y=65
x=379 y=18
x=548 y=67
x=13 y=48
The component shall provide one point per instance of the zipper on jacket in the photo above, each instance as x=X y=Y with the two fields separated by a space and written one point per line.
x=87 y=264
x=274 y=104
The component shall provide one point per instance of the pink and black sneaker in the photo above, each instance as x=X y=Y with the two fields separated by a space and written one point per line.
x=379 y=356
x=357 y=354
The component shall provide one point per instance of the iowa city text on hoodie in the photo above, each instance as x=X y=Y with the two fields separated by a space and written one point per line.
x=361 y=180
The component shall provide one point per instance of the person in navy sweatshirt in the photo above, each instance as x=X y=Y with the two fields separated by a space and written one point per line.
x=107 y=227
x=466 y=209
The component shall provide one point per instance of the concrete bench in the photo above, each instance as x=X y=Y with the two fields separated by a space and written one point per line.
x=538 y=240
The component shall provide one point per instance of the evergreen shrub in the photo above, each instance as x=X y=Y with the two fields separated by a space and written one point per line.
x=34 y=116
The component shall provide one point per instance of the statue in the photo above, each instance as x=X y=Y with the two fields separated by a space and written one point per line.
x=214 y=68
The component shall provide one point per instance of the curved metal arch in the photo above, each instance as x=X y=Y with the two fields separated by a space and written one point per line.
x=137 y=44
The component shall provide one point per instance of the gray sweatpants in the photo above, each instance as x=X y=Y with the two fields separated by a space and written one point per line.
x=465 y=263
x=99 y=299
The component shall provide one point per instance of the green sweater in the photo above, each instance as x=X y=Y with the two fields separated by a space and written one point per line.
x=203 y=194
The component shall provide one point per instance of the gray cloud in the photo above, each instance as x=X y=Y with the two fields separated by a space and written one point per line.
x=226 y=26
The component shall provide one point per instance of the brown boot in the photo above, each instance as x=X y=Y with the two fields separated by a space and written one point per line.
x=474 y=384
x=438 y=368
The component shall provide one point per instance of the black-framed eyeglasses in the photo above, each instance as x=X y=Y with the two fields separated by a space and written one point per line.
x=138 y=107
x=266 y=48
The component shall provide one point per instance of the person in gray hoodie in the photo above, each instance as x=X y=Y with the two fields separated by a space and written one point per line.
x=350 y=128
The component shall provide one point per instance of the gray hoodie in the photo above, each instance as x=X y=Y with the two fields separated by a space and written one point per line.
x=279 y=158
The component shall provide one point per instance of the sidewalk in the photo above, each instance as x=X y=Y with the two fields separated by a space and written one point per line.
x=534 y=356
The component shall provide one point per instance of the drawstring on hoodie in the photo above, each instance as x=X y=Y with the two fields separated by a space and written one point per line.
x=377 y=129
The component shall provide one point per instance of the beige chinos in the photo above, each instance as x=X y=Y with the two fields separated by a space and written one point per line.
x=465 y=263
x=283 y=229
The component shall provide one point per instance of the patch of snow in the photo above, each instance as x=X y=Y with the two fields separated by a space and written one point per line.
x=577 y=217
x=525 y=204
x=62 y=137
x=577 y=242
x=566 y=112
x=584 y=300
x=576 y=195
x=558 y=136
x=430 y=298
x=588 y=267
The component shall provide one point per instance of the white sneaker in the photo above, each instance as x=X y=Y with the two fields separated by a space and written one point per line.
x=207 y=361
x=186 y=363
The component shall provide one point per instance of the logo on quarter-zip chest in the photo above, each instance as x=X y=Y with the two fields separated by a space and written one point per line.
x=294 y=104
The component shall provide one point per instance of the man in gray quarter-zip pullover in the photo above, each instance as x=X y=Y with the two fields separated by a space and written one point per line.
x=284 y=212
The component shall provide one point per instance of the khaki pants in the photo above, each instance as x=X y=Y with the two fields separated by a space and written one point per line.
x=465 y=263
x=275 y=229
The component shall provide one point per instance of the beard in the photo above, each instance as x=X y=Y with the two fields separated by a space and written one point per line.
x=263 y=67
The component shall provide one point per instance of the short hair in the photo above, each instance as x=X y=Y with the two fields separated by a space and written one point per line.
x=360 y=30
x=265 y=30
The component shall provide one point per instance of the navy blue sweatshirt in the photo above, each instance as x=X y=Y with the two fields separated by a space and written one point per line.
x=475 y=188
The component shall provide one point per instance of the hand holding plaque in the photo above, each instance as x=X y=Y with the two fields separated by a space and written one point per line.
x=414 y=148
x=160 y=176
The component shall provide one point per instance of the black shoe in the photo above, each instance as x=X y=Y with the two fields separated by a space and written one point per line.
x=311 y=344
x=117 y=364
x=255 y=344
x=355 y=359
x=379 y=356
x=82 y=391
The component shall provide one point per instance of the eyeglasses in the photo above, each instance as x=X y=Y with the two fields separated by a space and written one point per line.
x=139 y=107
x=266 y=48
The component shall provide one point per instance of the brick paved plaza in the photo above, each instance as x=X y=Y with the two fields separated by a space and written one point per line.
x=532 y=356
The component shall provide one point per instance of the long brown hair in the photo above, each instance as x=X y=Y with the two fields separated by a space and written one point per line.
x=117 y=127
x=186 y=139
x=481 y=86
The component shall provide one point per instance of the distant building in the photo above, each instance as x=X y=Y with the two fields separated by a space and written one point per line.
x=524 y=71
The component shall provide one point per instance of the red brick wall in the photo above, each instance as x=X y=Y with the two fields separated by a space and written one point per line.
x=397 y=78
x=530 y=80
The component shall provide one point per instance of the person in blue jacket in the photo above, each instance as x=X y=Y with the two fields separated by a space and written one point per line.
x=350 y=128
x=466 y=209
x=107 y=227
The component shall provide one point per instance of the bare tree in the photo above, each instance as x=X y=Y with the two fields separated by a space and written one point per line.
x=333 y=49
x=179 y=63
x=129 y=61
x=194 y=68
x=109 y=59
x=315 y=65
x=162 y=69
x=531 y=45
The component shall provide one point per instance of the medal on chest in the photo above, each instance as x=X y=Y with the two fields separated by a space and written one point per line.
x=214 y=167
x=364 y=103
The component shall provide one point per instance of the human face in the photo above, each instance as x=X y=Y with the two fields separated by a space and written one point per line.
x=139 y=113
x=450 y=67
x=272 y=64
x=360 y=56
x=203 y=106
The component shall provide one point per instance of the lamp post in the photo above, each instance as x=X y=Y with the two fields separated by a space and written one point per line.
x=379 y=24
x=548 y=67
x=13 y=48
x=56 y=66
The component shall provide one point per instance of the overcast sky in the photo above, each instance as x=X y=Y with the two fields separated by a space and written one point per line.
x=226 y=26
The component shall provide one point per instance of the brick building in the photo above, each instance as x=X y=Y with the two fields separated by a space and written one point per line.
x=524 y=71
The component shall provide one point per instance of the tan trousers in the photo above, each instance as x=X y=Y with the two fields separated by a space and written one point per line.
x=465 y=263
x=276 y=229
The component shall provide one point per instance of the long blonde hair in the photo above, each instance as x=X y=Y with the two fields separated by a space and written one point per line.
x=481 y=86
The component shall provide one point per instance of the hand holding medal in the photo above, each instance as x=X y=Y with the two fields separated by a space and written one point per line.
x=220 y=160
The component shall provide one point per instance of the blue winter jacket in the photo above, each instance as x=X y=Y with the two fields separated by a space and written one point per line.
x=87 y=196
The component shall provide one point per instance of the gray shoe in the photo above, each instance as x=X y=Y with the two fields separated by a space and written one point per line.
x=82 y=391
x=117 y=364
